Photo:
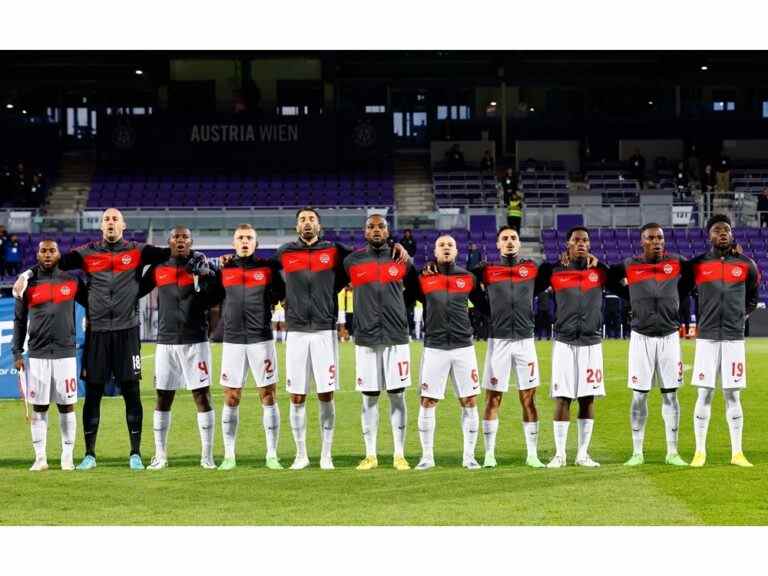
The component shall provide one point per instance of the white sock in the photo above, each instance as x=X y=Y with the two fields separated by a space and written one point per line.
x=274 y=335
x=230 y=419
x=561 y=437
x=585 y=435
x=39 y=427
x=531 y=430
x=470 y=421
x=270 y=418
x=670 y=412
x=161 y=423
x=735 y=417
x=490 y=427
x=298 y=418
x=426 y=425
x=370 y=422
x=67 y=427
x=638 y=415
x=327 y=423
x=398 y=417
x=701 y=414
x=206 y=422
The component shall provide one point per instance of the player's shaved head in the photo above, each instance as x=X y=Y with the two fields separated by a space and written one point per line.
x=445 y=249
x=376 y=230
x=48 y=254
x=112 y=225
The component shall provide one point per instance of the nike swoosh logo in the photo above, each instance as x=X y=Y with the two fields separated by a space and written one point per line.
x=360 y=274
x=707 y=272
x=291 y=262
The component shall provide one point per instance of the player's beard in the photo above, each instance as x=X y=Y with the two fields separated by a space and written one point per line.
x=308 y=235
x=377 y=243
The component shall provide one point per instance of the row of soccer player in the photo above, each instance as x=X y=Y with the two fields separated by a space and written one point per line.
x=307 y=275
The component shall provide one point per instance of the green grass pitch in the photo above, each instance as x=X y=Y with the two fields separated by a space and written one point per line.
x=185 y=494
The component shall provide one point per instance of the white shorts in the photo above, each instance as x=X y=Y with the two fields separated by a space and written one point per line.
x=342 y=317
x=61 y=372
x=501 y=355
x=460 y=364
x=649 y=355
x=182 y=366
x=728 y=356
x=236 y=358
x=380 y=368
x=278 y=316
x=577 y=371
x=312 y=356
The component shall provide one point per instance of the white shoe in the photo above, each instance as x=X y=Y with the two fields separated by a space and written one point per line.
x=157 y=463
x=326 y=463
x=471 y=464
x=557 y=462
x=207 y=463
x=39 y=466
x=425 y=464
x=586 y=460
x=67 y=462
x=300 y=463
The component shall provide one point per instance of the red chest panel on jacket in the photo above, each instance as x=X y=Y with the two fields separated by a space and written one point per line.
x=368 y=272
x=585 y=280
x=165 y=275
x=112 y=261
x=520 y=273
x=460 y=284
x=249 y=277
x=660 y=271
x=50 y=292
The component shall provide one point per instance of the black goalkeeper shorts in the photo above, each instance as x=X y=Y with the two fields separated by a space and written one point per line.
x=107 y=353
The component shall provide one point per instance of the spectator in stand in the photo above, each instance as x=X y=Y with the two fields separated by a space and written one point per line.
x=14 y=256
x=508 y=184
x=408 y=242
x=455 y=158
x=708 y=181
x=515 y=211
x=762 y=208
x=693 y=165
x=3 y=240
x=36 y=190
x=486 y=164
x=474 y=257
x=637 y=167
x=681 y=182
x=723 y=174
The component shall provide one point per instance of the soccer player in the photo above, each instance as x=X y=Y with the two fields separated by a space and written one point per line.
x=577 y=352
x=510 y=286
x=314 y=274
x=382 y=290
x=183 y=353
x=48 y=306
x=448 y=350
x=727 y=285
x=654 y=283
x=250 y=287
x=113 y=269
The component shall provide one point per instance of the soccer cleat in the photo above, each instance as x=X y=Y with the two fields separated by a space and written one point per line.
x=87 y=463
x=368 y=463
x=208 y=464
x=135 y=463
x=471 y=464
x=489 y=461
x=587 y=462
x=675 y=460
x=67 y=463
x=425 y=464
x=273 y=463
x=228 y=464
x=157 y=463
x=699 y=459
x=299 y=463
x=326 y=463
x=534 y=462
x=557 y=462
x=400 y=463
x=39 y=466
x=739 y=459
x=635 y=460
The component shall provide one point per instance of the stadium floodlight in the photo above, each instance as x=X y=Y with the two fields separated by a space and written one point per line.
x=139 y=72
x=9 y=106
x=532 y=109
x=23 y=111
x=493 y=102
x=650 y=102
x=704 y=68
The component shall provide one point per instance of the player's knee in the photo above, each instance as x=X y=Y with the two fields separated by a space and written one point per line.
x=469 y=402
x=202 y=397
x=268 y=396
x=325 y=396
x=299 y=398
x=371 y=394
x=428 y=402
x=65 y=408
x=40 y=408
x=493 y=399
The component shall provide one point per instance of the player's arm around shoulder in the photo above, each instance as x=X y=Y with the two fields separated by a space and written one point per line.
x=151 y=254
x=147 y=282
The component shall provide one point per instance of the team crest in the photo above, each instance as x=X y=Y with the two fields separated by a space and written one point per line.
x=225 y=377
x=523 y=272
x=324 y=259
x=635 y=380
x=424 y=386
x=359 y=381
x=593 y=277
x=701 y=375
x=65 y=290
x=392 y=271
x=668 y=269
x=736 y=272
x=258 y=276
x=126 y=259
x=460 y=283
x=494 y=381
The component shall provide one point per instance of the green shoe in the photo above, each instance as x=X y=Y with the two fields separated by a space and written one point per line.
x=534 y=462
x=228 y=464
x=489 y=462
x=675 y=460
x=273 y=463
x=636 y=460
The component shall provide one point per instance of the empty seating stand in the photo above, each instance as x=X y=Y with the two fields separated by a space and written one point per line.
x=749 y=180
x=614 y=186
x=544 y=187
x=468 y=188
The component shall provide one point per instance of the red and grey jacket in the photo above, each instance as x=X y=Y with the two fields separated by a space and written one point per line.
x=182 y=312
x=510 y=286
x=382 y=288
x=49 y=307
x=579 y=302
x=250 y=287
x=654 y=291
x=314 y=275
x=446 y=313
x=727 y=289
x=113 y=273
